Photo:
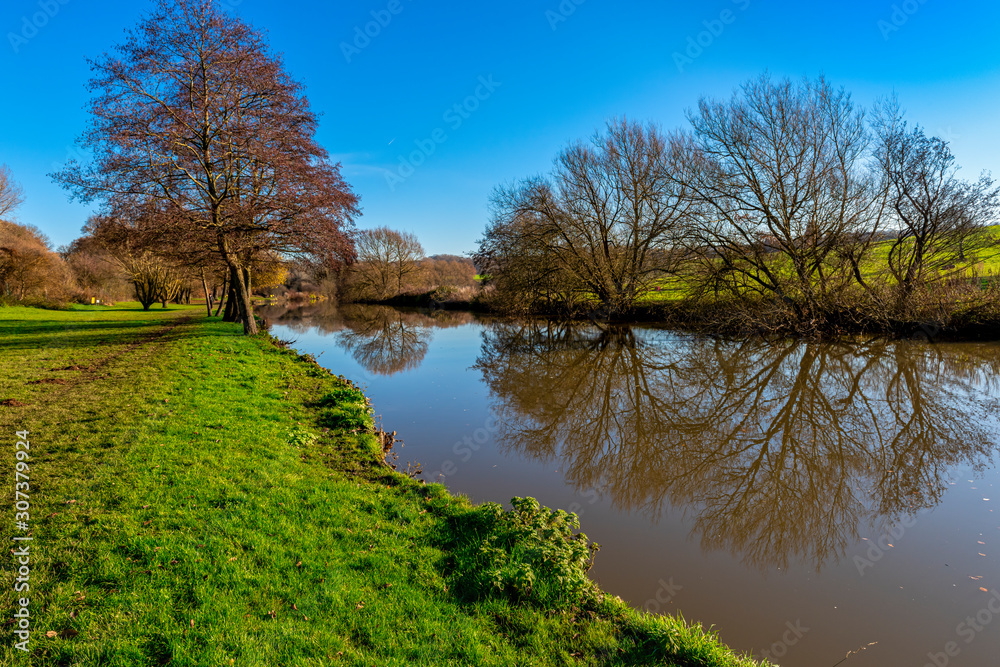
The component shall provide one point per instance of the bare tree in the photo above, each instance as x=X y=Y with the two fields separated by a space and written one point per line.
x=606 y=222
x=520 y=268
x=782 y=195
x=938 y=219
x=195 y=113
x=151 y=279
x=132 y=246
x=386 y=261
x=11 y=192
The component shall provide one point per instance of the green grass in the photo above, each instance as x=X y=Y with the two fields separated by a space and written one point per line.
x=984 y=263
x=202 y=498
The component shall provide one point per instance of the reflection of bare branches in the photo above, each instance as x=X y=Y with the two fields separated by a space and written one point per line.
x=780 y=450
x=384 y=340
x=300 y=318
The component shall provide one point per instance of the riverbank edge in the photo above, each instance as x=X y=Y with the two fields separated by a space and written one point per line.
x=657 y=628
x=335 y=432
x=732 y=319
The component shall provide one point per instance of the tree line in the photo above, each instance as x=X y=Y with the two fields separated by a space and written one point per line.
x=785 y=206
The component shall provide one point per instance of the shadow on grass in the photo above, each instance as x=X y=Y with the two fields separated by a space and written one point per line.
x=36 y=335
x=24 y=327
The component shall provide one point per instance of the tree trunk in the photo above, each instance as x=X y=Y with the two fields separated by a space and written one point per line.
x=232 y=311
x=208 y=297
x=244 y=306
x=224 y=294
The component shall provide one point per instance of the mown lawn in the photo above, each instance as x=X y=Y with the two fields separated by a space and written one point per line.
x=201 y=498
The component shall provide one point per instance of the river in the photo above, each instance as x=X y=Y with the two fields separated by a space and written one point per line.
x=807 y=500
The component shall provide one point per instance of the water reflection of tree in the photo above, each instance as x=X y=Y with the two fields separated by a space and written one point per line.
x=778 y=450
x=384 y=340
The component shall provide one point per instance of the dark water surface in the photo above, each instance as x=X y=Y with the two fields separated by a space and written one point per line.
x=805 y=499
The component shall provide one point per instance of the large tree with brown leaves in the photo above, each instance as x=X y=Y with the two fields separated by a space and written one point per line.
x=194 y=112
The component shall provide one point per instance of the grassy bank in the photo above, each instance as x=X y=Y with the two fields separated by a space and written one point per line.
x=201 y=498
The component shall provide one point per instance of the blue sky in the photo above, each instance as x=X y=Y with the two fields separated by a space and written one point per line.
x=553 y=71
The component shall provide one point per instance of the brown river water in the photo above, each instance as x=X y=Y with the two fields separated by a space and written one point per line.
x=811 y=502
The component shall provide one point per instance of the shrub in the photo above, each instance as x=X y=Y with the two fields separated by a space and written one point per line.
x=527 y=554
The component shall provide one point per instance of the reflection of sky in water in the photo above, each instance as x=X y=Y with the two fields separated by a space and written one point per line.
x=749 y=473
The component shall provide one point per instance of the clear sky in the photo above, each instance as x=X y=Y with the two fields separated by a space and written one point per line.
x=545 y=73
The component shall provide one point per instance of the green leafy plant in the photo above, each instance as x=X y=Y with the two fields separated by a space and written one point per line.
x=528 y=553
x=299 y=437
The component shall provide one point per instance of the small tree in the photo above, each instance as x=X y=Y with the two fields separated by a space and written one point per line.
x=938 y=219
x=138 y=247
x=608 y=221
x=387 y=261
x=521 y=268
x=150 y=278
x=11 y=193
